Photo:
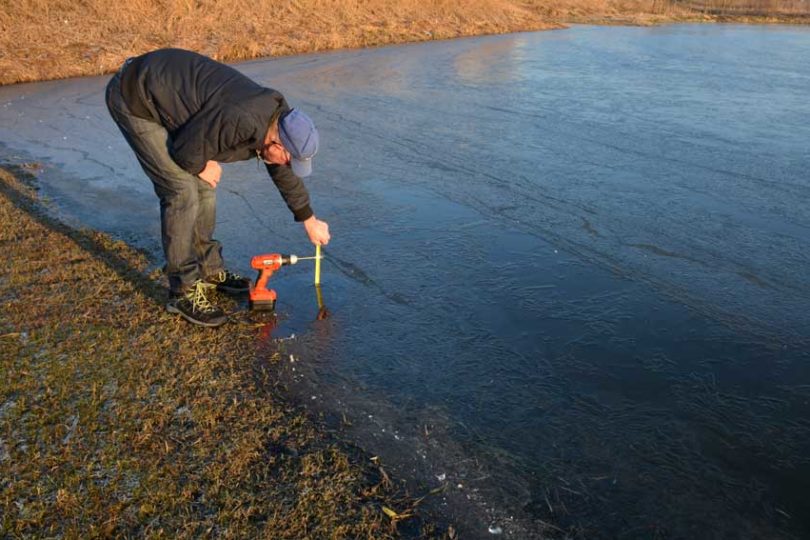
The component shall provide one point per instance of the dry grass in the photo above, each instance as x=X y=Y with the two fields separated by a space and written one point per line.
x=761 y=6
x=47 y=39
x=42 y=39
x=119 y=420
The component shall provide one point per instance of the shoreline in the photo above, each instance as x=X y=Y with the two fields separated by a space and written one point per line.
x=117 y=419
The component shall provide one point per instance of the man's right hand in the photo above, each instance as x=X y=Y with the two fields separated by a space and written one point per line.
x=212 y=173
x=317 y=230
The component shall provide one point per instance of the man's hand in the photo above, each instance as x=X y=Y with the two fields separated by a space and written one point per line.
x=211 y=173
x=317 y=230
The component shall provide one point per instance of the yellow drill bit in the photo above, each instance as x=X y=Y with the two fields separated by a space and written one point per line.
x=318 y=264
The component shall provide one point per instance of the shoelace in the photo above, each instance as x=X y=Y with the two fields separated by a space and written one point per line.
x=199 y=301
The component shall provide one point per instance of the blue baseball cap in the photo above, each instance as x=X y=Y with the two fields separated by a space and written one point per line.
x=300 y=138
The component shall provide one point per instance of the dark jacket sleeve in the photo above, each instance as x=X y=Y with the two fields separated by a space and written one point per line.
x=292 y=190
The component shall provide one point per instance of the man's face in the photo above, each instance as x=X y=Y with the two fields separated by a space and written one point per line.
x=274 y=152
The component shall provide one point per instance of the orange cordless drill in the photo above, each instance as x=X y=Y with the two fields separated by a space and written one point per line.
x=262 y=298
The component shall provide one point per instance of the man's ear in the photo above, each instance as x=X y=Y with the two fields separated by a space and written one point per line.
x=268 y=134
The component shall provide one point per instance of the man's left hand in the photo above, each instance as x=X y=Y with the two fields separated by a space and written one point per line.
x=317 y=230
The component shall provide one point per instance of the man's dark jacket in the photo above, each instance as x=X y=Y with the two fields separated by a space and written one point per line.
x=211 y=111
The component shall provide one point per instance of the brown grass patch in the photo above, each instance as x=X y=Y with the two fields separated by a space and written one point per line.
x=42 y=39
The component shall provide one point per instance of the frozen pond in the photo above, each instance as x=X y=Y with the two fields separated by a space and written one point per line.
x=570 y=270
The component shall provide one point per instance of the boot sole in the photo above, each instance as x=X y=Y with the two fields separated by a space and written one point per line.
x=172 y=309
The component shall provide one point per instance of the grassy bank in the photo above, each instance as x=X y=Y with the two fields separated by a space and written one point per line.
x=119 y=420
x=49 y=39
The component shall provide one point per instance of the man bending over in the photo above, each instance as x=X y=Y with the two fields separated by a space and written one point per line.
x=183 y=113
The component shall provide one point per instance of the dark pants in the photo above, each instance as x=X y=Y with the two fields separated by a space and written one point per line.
x=187 y=204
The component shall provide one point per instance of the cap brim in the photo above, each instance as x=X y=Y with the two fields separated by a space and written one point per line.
x=301 y=167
